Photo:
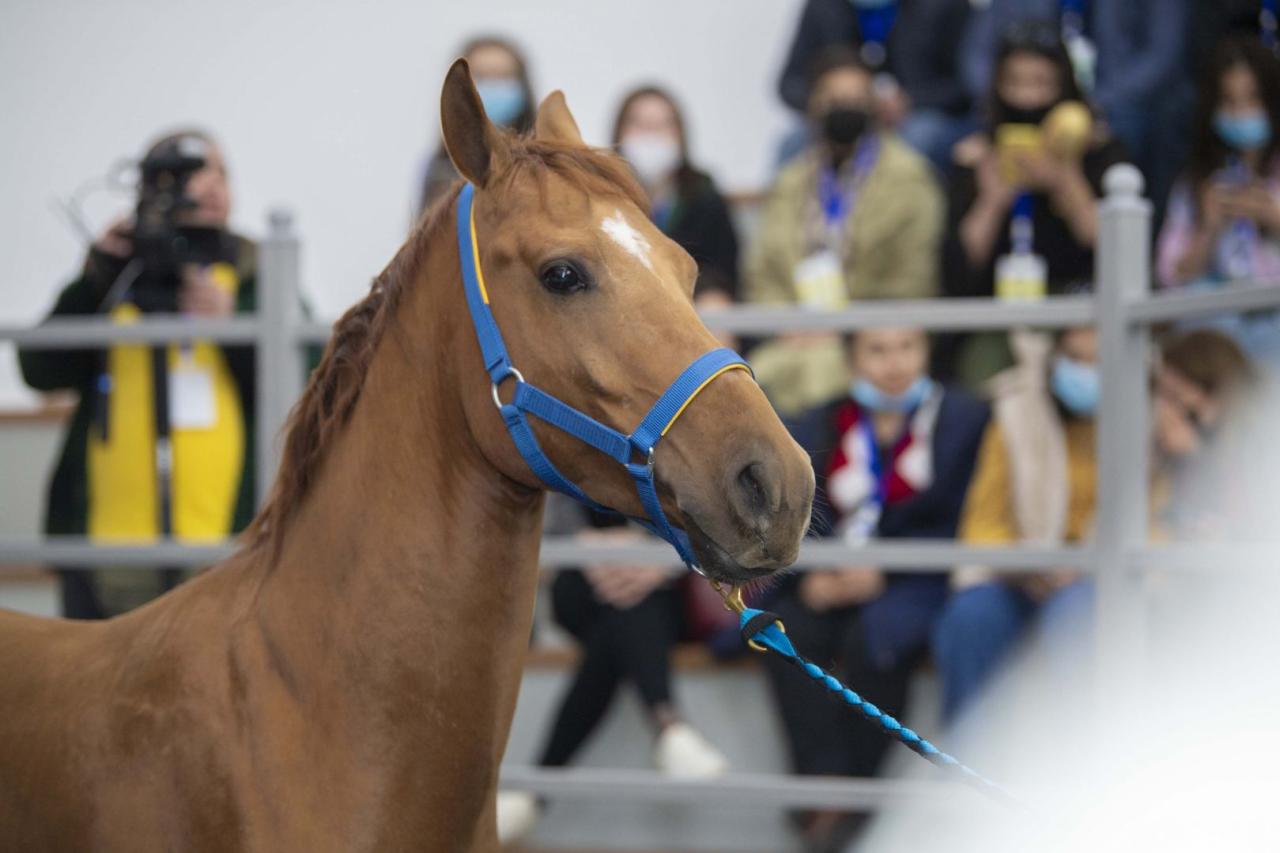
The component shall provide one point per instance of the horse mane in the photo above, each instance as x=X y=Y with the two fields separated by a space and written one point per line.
x=334 y=386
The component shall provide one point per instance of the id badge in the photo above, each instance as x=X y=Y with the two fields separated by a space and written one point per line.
x=820 y=281
x=191 y=400
x=1022 y=275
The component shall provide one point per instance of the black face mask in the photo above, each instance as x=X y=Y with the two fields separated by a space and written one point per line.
x=843 y=125
x=1006 y=113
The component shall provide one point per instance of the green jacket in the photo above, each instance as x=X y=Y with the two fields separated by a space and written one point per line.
x=67 y=510
x=891 y=247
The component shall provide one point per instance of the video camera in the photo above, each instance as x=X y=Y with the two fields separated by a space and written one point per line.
x=162 y=241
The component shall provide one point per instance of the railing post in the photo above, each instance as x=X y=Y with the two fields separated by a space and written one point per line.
x=1123 y=275
x=279 y=357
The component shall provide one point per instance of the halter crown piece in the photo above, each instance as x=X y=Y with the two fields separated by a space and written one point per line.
x=529 y=400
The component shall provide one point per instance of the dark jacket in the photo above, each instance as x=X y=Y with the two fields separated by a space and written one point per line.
x=77 y=370
x=923 y=52
x=897 y=624
x=699 y=221
x=1068 y=261
x=1140 y=45
x=931 y=514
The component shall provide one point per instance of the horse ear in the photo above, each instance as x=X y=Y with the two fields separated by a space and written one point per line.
x=475 y=145
x=555 y=122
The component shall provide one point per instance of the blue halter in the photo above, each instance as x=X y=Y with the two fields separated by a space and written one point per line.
x=529 y=400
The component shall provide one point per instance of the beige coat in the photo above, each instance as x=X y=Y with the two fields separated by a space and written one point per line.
x=891 y=252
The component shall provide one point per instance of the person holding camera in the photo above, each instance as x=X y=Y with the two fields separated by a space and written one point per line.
x=160 y=443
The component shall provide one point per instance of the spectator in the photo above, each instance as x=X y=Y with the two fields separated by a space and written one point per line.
x=856 y=216
x=1048 y=192
x=627 y=620
x=912 y=46
x=1035 y=482
x=1129 y=58
x=1201 y=376
x=105 y=485
x=1224 y=216
x=650 y=133
x=502 y=79
x=894 y=455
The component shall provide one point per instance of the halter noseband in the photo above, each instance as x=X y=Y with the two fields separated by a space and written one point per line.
x=529 y=400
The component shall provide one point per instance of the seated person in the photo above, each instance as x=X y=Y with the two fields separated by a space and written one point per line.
x=649 y=132
x=856 y=216
x=1028 y=185
x=627 y=620
x=502 y=81
x=893 y=457
x=1223 y=223
x=1035 y=481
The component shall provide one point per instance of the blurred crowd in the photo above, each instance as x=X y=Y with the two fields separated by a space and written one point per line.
x=940 y=148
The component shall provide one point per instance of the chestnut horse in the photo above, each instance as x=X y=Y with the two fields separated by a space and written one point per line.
x=346 y=681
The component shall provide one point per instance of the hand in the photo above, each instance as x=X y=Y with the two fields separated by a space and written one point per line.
x=200 y=296
x=625 y=586
x=827 y=590
x=893 y=104
x=621 y=586
x=1253 y=202
x=117 y=240
x=991 y=184
x=1041 y=586
x=1043 y=171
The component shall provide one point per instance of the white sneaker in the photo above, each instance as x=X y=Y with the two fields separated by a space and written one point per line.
x=518 y=814
x=682 y=752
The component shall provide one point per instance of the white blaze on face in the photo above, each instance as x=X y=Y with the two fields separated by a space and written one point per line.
x=622 y=232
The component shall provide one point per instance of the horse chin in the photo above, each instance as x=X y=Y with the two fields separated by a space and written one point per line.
x=717 y=563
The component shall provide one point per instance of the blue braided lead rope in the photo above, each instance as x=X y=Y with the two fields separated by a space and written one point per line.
x=763 y=629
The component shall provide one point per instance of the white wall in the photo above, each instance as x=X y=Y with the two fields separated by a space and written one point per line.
x=329 y=108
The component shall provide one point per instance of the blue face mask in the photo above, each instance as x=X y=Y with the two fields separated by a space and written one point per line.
x=1243 y=133
x=1075 y=384
x=503 y=99
x=872 y=398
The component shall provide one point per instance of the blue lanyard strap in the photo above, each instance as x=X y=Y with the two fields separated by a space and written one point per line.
x=836 y=203
x=1268 y=21
x=530 y=400
x=1073 y=17
x=875 y=24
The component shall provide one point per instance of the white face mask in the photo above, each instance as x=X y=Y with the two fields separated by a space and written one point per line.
x=653 y=156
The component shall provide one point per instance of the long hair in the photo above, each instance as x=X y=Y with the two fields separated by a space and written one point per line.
x=687 y=178
x=1208 y=152
x=1038 y=38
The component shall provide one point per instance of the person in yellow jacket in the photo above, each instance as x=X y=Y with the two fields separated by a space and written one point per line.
x=105 y=485
x=856 y=216
x=1036 y=482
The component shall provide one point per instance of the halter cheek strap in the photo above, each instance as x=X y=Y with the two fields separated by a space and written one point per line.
x=529 y=400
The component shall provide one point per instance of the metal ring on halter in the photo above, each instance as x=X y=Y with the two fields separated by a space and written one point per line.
x=511 y=371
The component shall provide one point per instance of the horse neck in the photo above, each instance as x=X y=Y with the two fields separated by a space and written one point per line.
x=412 y=561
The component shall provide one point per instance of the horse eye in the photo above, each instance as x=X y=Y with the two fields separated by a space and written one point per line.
x=563 y=277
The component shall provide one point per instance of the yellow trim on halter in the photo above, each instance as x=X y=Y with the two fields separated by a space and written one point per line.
x=475 y=254
x=698 y=390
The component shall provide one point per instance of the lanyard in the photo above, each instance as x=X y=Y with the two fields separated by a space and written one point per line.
x=1073 y=18
x=874 y=25
x=879 y=479
x=1268 y=22
x=837 y=204
x=1022 y=230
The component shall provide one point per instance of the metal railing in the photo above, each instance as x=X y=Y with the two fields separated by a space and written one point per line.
x=1122 y=308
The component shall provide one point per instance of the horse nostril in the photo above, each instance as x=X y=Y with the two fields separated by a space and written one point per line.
x=753 y=492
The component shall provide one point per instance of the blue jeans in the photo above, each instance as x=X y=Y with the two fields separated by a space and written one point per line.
x=982 y=624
